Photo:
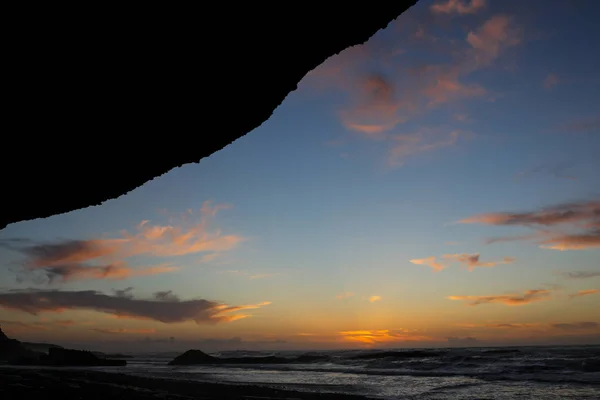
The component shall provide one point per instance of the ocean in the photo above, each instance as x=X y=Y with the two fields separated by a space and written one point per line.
x=468 y=373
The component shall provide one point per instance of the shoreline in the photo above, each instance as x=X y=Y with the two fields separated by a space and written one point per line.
x=74 y=384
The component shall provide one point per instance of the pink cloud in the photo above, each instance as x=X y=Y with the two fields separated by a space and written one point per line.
x=493 y=37
x=458 y=7
x=551 y=81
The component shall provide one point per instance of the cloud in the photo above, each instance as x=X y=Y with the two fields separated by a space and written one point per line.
x=583 y=241
x=166 y=310
x=25 y=325
x=500 y=325
x=123 y=330
x=581 y=293
x=382 y=336
x=373 y=299
x=115 y=271
x=492 y=38
x=166 y=295
x=472 y=261
x=555 y=169
x=551 y=81
x=103 y=258
x=555 y=215
x=530 y=296
x=344 y=295
x=407 y=145
x=430 y=262
x=582 y=218
x=381 y=104
x=42 y=324
x=576 y=326
x=580 y=274
x=457 y=7
x=376 y=109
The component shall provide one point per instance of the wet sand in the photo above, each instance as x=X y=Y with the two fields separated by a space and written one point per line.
x=65 y=384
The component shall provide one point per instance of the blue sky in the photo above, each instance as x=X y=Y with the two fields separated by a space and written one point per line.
x=456 y=109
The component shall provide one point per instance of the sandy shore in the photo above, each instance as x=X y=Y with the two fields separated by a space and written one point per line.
x=67 y=384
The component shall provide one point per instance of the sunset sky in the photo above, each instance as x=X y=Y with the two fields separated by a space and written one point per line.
x=436 y=186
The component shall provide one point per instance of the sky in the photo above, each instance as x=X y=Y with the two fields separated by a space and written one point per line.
x=436 y=186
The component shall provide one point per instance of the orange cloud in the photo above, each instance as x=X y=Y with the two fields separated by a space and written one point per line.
x=344 y=295
x=584 y=293
x=472 y=261
x=500 y=325
x=430 y=262
x=589 y=240
x=583 y=216
x=123 y=330
x=530 y=296
x=373 y=299
x=551 y=81
x=457 y=7
x=70 y=259
x=382 y=336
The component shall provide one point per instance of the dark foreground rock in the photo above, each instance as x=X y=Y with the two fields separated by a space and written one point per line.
x=68 y=357
x=94 y=385
x=11 y=349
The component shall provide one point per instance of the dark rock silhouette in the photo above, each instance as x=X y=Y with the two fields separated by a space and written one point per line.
x=68 y=357
x=159 y=69
x=40 y=347
x=11 y=349
x=16 y=353
x=197 y=357
x=193 y=357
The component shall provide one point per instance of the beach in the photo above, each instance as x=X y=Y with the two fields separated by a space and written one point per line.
x=61 y=383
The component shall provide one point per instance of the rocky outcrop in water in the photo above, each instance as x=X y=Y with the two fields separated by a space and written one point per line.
x=197 y=357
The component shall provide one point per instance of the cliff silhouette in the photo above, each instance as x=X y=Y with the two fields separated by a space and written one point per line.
x=106 y=76
x=16 y=353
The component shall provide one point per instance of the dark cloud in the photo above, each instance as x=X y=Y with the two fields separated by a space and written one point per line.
x=167 y=311
x=581 y=274
x=124 y=293
x=583 y=218
x=555 y=215
x=166 y=295
x=147 y=339
x=576 y=326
